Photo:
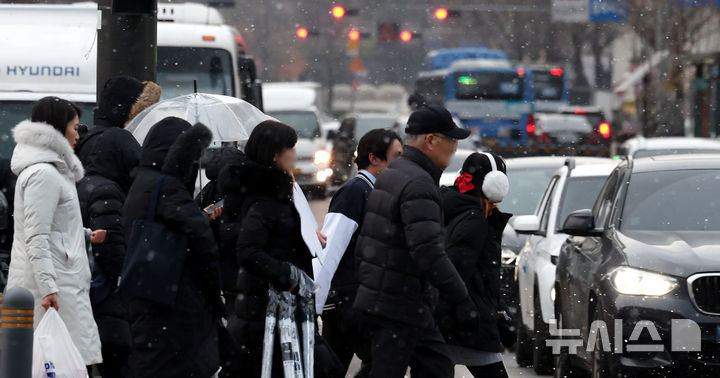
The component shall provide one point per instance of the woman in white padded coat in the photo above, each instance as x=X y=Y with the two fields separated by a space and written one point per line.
x=49 y=255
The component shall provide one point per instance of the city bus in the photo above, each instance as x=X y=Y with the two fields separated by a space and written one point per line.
x=444 y=58
x=491 y=97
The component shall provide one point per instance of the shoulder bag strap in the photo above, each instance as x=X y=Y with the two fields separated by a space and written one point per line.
x=152 y=207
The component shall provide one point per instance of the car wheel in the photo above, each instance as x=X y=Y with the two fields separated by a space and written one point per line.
x=600 y=363
x=524 y=345
x=542 y=354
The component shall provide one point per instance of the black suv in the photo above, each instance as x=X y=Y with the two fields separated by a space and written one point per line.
x=645 y=261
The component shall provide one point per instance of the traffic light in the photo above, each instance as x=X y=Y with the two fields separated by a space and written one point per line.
x=302 y=33
x=338 y=11
x=406 y=36
x=442 y=13
x=354 y=35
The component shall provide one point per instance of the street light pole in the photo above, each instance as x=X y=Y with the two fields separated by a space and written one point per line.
x=127 y=41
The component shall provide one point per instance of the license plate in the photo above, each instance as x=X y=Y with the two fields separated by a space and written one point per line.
x=297 y=171
x=503 y=132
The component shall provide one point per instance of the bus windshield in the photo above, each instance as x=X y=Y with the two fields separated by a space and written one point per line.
x=488 y=86
x=547 y=85
x=178 y=67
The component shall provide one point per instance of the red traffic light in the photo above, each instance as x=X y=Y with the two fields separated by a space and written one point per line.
x=441 y=14
x=406 y=36
x=302 y=33
x=354 y=35
x=338 y=11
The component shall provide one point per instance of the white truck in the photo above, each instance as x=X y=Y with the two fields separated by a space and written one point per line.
x=51 y=50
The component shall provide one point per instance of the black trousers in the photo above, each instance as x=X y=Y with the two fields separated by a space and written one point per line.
x=496 y=370
x=395 y=346
x=342 y=329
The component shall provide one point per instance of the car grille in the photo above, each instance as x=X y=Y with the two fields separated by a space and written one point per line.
x=703 y=291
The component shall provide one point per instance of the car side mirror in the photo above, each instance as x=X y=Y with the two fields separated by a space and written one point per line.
x=581 y=223
x=526 y=224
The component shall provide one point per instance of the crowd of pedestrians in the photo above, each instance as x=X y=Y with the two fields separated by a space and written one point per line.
x=152 y=281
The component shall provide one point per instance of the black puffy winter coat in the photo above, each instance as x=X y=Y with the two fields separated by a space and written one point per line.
x=474 y=246
x=226 y=227
x=180 y=341
x=102 y=195
x=400 y=254
x=269 y=239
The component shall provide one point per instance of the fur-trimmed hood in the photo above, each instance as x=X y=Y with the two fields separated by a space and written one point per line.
x=38 y=142
x=122 y=98
x=184 y=154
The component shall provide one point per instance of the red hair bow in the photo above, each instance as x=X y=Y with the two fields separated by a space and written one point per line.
x=464 y=182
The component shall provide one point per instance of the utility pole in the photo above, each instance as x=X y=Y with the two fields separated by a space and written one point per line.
x=127 y=41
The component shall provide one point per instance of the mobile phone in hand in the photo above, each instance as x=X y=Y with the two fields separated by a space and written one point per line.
x=218 y=205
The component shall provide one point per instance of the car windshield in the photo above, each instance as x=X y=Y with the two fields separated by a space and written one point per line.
x=526 y=187
x=674 y=151
x=12 y=112
x=179 y=67
x=580 y=193
x=673 y=201
x=304 y=122
x=365 y=124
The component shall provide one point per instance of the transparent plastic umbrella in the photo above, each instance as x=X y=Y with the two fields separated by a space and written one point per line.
x=230 y=119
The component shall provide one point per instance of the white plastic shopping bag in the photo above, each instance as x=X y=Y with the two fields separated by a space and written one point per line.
x=54 y=354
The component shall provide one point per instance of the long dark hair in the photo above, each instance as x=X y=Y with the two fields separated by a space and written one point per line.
x=268 y=139
x=55 y=111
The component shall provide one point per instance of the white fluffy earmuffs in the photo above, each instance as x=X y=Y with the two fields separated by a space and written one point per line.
x=495 y=185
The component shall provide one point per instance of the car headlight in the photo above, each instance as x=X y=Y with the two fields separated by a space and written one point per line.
x=633 y=281
x=324 y=174
x=322 y=157
x=508 y=257
x=552 y=294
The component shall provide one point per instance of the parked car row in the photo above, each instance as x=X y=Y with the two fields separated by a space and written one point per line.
x=620 y=253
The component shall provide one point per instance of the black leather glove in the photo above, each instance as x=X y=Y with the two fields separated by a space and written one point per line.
x=466 y=314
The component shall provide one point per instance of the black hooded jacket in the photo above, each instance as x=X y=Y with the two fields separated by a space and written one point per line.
x=102 y=194
x=179 y=341
x=474 y=246
x=269 y=234
x=400 y=254
x=117 y=98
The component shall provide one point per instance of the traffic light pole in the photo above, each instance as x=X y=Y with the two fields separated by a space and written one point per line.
x=127 y=41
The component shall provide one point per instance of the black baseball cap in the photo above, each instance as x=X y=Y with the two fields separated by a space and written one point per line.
x=429 y=119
